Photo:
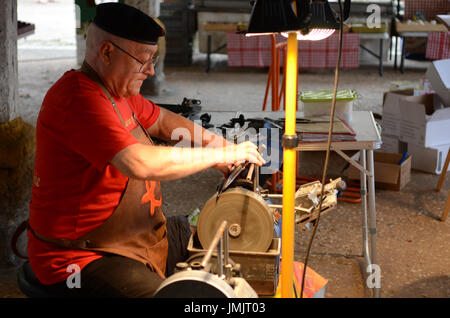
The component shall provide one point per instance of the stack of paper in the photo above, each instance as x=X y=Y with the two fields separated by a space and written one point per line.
x=315 y=129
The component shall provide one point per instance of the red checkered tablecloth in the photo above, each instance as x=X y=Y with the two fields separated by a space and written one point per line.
x=323 y=54
x=438 y=46
x=249 y=51
x=255 y=51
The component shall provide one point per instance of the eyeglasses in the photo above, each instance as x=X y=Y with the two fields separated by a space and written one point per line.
x=144 y=65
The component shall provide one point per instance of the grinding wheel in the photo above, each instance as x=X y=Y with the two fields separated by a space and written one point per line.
x=249 y=218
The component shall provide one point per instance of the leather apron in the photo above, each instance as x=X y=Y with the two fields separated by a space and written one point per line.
x=137 y=227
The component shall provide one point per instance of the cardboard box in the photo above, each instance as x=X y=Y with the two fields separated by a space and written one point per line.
x=430 y=159
x=419 y=27
x=422 y=122
x=438 y=73
x=392 y=144
x=390 y=121
x=389 y=174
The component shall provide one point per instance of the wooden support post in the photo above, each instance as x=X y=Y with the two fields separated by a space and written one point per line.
x=443 y=173
x=439 y=186
x=447 y=208
x=8 y=61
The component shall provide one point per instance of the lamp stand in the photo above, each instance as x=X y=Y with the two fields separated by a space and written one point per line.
x=289 y=170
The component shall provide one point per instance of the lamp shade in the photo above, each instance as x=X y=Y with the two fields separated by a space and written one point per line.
x=272 y=16
x=319 y=20
x=322 y=16
x=311 y=19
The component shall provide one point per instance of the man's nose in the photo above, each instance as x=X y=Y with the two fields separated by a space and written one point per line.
x=150 y=71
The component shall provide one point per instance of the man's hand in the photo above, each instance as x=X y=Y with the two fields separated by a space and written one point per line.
x=246 y=151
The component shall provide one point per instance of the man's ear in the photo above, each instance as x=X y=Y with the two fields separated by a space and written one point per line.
x=105 y=52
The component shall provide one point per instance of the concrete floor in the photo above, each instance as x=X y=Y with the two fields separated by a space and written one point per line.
x=412 y=244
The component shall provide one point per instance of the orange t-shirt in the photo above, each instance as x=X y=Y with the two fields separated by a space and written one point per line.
x=75 y=187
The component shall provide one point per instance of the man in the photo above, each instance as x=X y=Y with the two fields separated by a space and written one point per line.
x=96 y=199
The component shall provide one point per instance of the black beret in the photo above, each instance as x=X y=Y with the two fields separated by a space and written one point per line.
x=127 y=22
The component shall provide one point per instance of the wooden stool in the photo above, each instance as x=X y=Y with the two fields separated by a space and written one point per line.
x=439 y=186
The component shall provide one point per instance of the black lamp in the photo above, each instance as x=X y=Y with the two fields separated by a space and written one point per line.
x=298 y=20
x=272 y=16
x=319 y=22
x=322 y=16
x=312 y=19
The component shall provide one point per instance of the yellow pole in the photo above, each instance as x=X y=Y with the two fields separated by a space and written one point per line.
x=289 y=162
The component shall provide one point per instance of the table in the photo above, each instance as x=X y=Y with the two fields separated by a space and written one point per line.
x=367 y=140
x=375 y=36
x=404 y=35
x=256 y=51
x=216 y=27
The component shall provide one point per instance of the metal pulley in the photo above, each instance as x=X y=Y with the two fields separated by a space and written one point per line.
x=201 y=284
x=208 y=275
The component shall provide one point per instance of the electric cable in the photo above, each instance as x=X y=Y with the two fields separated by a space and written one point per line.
x=330 y=131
